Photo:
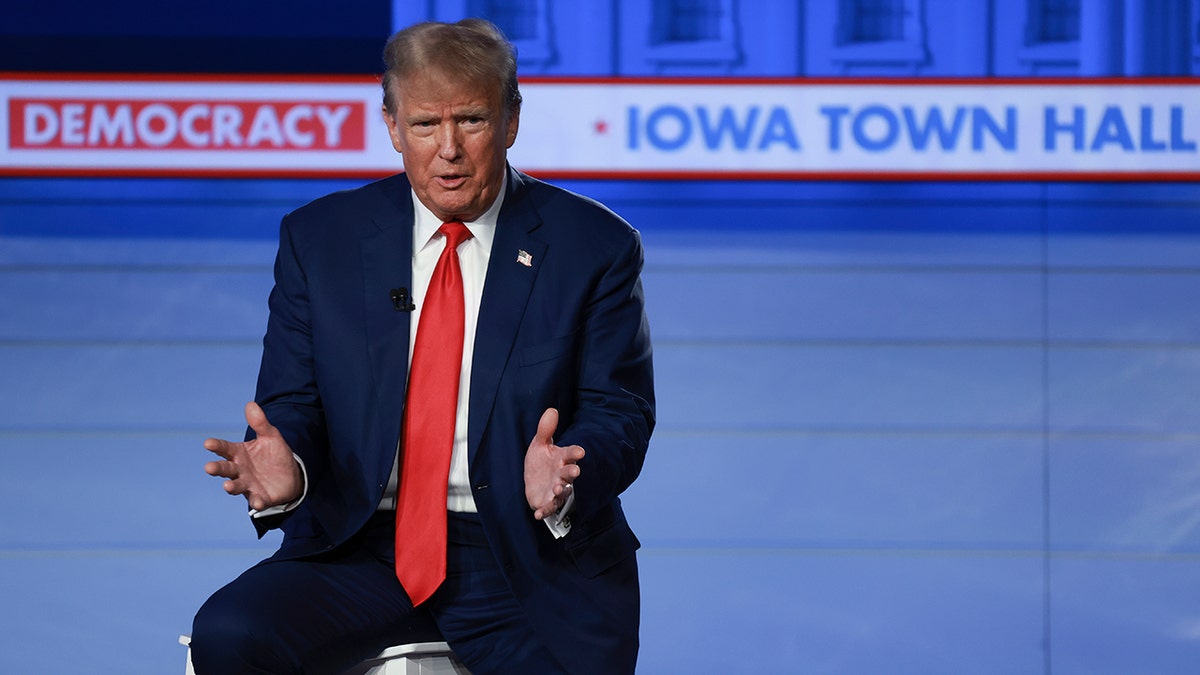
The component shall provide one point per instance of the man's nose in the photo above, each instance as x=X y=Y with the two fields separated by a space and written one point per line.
x=449 y=142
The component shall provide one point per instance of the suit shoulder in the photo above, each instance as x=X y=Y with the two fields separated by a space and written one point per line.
x=329 y=212
x=560 y=207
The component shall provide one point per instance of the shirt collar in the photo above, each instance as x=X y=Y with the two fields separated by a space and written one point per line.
x=482 y=230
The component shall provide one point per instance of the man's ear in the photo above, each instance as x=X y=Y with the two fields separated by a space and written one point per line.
x=393 y=128
x=514 y=121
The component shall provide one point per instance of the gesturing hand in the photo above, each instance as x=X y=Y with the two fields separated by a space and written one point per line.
x=263 y=469
x=549 y=469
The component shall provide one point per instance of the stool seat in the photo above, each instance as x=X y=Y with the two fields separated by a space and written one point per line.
x=416 y=658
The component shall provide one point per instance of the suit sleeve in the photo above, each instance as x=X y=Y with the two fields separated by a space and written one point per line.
x=614 y=416
x=287 y=384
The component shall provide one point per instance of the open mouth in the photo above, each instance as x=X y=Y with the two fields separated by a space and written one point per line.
x=451 y=182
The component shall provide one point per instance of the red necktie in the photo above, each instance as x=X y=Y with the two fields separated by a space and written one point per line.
x=429 y=414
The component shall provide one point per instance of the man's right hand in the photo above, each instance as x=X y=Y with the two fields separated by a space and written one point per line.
x=264 y=469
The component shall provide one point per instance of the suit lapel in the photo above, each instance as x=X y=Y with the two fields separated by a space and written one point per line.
x=387 y=264
x=506 y=292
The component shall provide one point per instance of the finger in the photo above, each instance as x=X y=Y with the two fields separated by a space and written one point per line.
x=555 y=504
x=218 y=446
x=257 y=419
x=547 y=511
x=547 y=508
x=234 y=487
x=222 y=469
x=572 y=454
x=546 y=427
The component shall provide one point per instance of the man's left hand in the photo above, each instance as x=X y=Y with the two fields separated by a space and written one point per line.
x=549 y=469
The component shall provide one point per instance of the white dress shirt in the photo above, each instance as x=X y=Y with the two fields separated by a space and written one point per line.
x=473 y=256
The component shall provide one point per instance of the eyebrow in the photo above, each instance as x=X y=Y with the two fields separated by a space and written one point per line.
x=469 y=111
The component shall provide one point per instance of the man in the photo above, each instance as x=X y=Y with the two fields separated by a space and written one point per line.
x=367 y=412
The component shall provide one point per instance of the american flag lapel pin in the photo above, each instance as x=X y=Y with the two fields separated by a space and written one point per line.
x=524 y=258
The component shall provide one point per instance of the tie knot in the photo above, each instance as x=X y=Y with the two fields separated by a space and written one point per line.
x=455 y=233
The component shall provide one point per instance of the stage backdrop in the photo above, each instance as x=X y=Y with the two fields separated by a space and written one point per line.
x=923 y=278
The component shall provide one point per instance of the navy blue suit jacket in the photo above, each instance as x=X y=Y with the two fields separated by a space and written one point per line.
x=568 y=331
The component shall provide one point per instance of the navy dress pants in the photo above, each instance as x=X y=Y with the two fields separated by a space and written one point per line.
x=326 y=613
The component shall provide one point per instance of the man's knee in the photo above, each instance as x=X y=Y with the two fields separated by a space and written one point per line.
x=227 y=637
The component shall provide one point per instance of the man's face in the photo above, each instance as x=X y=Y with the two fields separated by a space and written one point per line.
x=453 y=137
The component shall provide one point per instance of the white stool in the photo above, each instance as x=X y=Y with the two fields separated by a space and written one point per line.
x=417 y=658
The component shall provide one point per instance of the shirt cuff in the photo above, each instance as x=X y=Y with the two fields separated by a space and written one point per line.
x=560 y=523
x=290 y=506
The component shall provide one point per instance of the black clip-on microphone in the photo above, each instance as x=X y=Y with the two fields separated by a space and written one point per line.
x=401 y=302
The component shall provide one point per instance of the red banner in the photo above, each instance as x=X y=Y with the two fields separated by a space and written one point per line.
x=185 y=124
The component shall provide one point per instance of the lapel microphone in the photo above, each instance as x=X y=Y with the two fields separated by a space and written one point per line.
x=401 y=302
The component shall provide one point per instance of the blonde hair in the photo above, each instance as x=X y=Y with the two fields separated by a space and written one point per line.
x=472 y=49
